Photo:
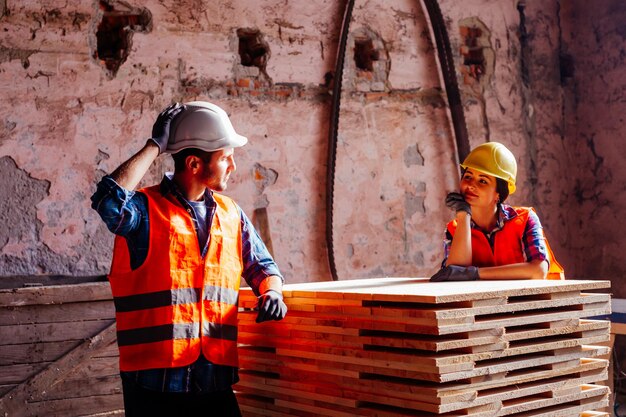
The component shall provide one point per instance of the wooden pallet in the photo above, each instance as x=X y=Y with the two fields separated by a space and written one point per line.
x=401 y=346
x=588 y=398
x=58 y=352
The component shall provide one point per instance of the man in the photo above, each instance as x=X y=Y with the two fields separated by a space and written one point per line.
x=180 y=251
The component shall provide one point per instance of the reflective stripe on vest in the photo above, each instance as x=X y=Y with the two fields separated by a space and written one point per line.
x=508 y=246
x=177 y=304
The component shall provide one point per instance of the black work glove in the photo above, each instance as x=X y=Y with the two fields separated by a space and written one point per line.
x=456 y=273
x=271 y=306
x=456 y=202
x=161 y=127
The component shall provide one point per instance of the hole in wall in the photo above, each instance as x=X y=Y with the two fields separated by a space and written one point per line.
x=472 y=51
x=365 y=54
x=477 y=54
x=328 y=79
x=253 y=50
x=115 y=31
x=369 y=68
x=566 y=67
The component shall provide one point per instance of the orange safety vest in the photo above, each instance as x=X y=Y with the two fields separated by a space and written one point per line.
x=177 y=304
x=508 y=247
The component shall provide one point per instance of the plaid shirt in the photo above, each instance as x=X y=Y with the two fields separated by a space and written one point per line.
x=126 y=214
x=533 y=239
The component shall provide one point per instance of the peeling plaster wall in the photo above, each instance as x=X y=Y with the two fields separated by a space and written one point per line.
x=67 y=120
x=522 y=106
x=519 y=101
x=394 y=152
x=556 y=99
x=595 y=109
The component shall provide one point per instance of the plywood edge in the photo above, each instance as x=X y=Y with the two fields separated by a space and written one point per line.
x=420 y=290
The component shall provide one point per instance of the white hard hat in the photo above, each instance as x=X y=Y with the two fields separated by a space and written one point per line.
x=205 y=126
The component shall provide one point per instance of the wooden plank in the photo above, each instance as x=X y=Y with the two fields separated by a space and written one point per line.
x=314 y=365
x=428 y=313
x=113 y=413
x=55 y=313
x=14 y=374
x=76 y=406
x=435 y=362
x=250 y=333
x=438 y=312
x=49 y=332
x=413 y=344
x=57 y=294
x=531 y=332
x=95 y=367
x=516 y=364
x=504 y=406
x=109 y=351
x=36 y=352
x=410 y=326
x=15 y=402
x=572 y=409
x=582 y=401
x=420 y=290
x=384 y=363
x=525 y=318
x=256 y=405
x=411 y=397
x=588 y=392
x=88 y=386
x=531 y=374
x=556 y=388
x=339 y=316
x=4 y=388
x=429 y=392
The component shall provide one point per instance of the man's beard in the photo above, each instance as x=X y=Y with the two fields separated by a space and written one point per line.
x=214 y=184
x=221 y=186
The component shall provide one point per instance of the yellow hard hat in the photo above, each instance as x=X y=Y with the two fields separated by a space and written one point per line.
x=493 y=158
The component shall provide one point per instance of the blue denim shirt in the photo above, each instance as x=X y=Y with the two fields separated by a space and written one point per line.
x=126 y=214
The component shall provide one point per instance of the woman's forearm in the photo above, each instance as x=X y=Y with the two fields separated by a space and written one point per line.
x=461 y=246
x=523 y=270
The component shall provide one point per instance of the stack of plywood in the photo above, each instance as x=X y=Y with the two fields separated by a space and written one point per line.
x=408 y=347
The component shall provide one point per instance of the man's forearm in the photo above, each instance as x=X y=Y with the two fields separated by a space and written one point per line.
x=271 y=283
x=130 y=173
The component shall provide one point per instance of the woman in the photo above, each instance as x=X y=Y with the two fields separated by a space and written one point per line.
x=488 y=239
